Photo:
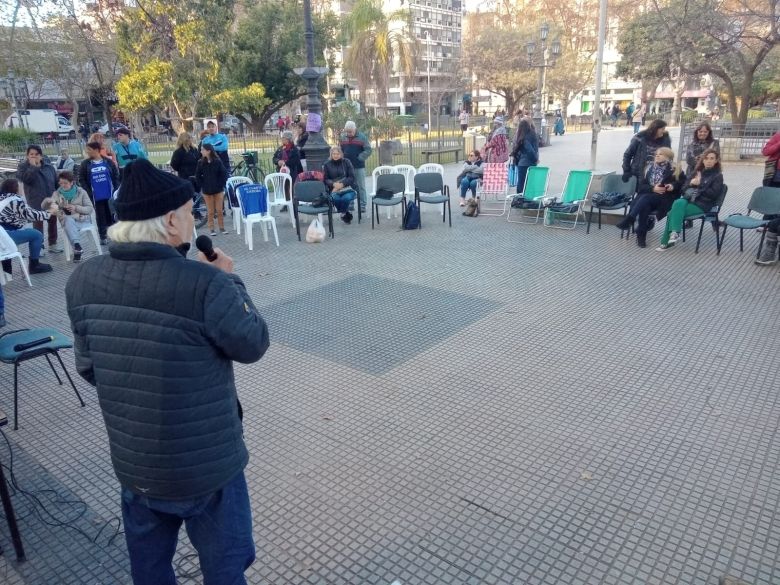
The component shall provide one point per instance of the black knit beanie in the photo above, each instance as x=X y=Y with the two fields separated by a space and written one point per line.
x=148 y=192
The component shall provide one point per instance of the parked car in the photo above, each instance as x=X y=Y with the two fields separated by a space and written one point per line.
x=114 y=127
x=230 y=123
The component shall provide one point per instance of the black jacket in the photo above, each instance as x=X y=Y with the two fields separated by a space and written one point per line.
x=636 y=157
x=340 y=170
x=157 y=335
x=210 y=177
x=707 y=192
x=293 y=161
x=86 y=183
x=185 y=161
x=39 y=182
x=663 y=203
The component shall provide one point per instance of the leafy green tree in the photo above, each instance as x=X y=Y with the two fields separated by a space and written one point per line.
x=378 y=42
x=267 y=46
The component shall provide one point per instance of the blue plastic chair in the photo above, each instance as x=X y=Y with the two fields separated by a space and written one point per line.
x=52 y=341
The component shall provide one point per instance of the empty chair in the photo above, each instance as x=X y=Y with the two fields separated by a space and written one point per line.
x=254 y=209
x=408 y=171
x=533 y=196
x=571 y=200
x=765 y=201
x=613 y=184
x=380 y=170
x=232 y=197
x=431 y=168
x=493 y=188
x=390 y=190
x=278 y=185
x=430 y=188
x=311 y=198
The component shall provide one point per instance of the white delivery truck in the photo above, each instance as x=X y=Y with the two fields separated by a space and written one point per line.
x=41 y=122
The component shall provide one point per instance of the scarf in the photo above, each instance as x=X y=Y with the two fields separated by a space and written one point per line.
x=657 y=172
x=70 y=194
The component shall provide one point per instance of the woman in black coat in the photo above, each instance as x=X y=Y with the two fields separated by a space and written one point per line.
x=211 y=176
x=185 y=158
x=656 y=192
x=641 y=151
x=288 y=155
x=339 y=176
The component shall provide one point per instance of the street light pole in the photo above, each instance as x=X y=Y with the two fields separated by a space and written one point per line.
x=546 y=62
x=428 y=42
x=317 y=150
x=596 y=109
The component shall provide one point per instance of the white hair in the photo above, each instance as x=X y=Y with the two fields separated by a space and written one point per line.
x=350 y=125
x=146 y=230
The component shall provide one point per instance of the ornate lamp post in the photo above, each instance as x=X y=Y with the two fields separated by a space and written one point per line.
x=541 y=59
x=317 y=150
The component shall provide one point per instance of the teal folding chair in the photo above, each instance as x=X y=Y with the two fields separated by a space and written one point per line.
x=537 y=180
x=571 y=200
x=26 y=344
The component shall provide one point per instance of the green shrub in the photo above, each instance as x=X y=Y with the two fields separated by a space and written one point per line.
x=16 y=140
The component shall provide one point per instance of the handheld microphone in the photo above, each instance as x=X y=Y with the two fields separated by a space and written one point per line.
x=203 y=243
x=31 y=344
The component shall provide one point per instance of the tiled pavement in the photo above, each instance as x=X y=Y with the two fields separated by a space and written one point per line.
x=491 y=403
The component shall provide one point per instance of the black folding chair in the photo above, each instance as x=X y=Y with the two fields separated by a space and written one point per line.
x=426 y=185
x=395 y=184
x=306 y=192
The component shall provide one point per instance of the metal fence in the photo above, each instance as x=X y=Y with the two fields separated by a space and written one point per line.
x=737 y=141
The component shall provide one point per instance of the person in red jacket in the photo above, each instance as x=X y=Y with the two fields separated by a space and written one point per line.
x=771 y=150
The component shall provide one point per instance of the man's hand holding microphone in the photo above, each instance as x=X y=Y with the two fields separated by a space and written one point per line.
x=210 y=255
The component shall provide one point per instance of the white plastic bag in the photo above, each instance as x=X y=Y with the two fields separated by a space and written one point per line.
x=316 y=231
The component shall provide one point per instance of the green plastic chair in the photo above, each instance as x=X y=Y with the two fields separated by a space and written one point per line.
x=764 y=200
x=571 y=200
x=537 y=180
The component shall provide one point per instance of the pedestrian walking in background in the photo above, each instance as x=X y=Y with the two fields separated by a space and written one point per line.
x=638 y=118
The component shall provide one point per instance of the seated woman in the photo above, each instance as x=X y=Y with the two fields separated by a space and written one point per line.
x=469 y=176
x=14 y=214
x=659 y=187
x=700 y=193
x=339 y=176
x=75 y=210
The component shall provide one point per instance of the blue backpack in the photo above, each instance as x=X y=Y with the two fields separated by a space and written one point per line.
x=412 y=220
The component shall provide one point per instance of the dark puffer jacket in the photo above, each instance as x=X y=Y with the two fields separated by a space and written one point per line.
x=39 y=182
x=156 y=334
x=641 y=151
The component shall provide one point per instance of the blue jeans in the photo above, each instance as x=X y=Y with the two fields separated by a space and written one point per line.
x=360 y=185
x=466 y=184
x=636 y=127
x=219 y=526
x=521 y=173
x=342 y=200
x=29 y=236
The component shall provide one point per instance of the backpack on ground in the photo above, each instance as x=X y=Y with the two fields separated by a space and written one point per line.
x=472 y=207
x=412 y=219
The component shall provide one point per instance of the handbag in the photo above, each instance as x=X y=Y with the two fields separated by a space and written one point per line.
x=383 y=193
x=315 y=233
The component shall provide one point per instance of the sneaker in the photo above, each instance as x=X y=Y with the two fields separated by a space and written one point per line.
x=37 y=267
x=463 y=203
x=55 y=249
x=347 y=218
x=213 y=233
x=224 y=232
x=673 y=238
x=662 y=247
x=765 y=262
x=77 y=252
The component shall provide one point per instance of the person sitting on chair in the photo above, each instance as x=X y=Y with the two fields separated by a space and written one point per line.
x=340 y=179
x=658 y=189
x=74 y=210
x=700 y=193
x=469 y=176
x=14 y=215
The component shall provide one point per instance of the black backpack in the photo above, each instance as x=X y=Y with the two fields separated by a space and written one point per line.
x=412 y=219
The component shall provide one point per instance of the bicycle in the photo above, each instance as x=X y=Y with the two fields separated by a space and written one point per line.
x=248 y=167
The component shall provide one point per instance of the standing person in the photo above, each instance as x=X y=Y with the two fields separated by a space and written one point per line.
x=84 y=132
x=771 y=151
x=356 y=149
x=157 y=334
x=184 y=159
x=65 y=162
x=641 y=150
x=525 y=151
x=220 y=143
x=105 y=146
x=702 y=140
x=615 y=115
x=469 y=176
x=211 y=176
x=638 y=118
x=339 y=176
x=496 y=149
x=700 y=193
x=630 y=113
x=288 y=155
x=300 y=141
x=98 y=176
x=127 y=148
x=39 y=179
x=14 y=215
x=463 y=118
x=280 y=124
x=74 y=210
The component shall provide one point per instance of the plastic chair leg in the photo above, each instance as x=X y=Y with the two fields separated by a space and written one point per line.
x=276 y=234
x=24 y=269
x=249 y=235
x=96 y=238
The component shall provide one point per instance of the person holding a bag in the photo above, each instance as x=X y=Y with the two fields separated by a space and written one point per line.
x=659 y=188
x=525 y=151
x=339 y=176
x=701 y=192
x=211 y=176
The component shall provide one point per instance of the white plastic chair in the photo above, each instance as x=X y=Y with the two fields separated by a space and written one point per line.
x=264 y=218
x=431 y=168
x=92 y=229
x=9 y=251
x=232 y=184
x=277 y=184
x=408 y=171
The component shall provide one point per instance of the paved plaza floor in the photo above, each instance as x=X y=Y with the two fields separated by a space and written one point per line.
x=491 y=403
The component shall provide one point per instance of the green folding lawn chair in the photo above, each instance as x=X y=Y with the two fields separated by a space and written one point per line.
x=533 y=196
x=570 y=201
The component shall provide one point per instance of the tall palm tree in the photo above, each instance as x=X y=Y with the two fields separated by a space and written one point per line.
x=379 y=43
